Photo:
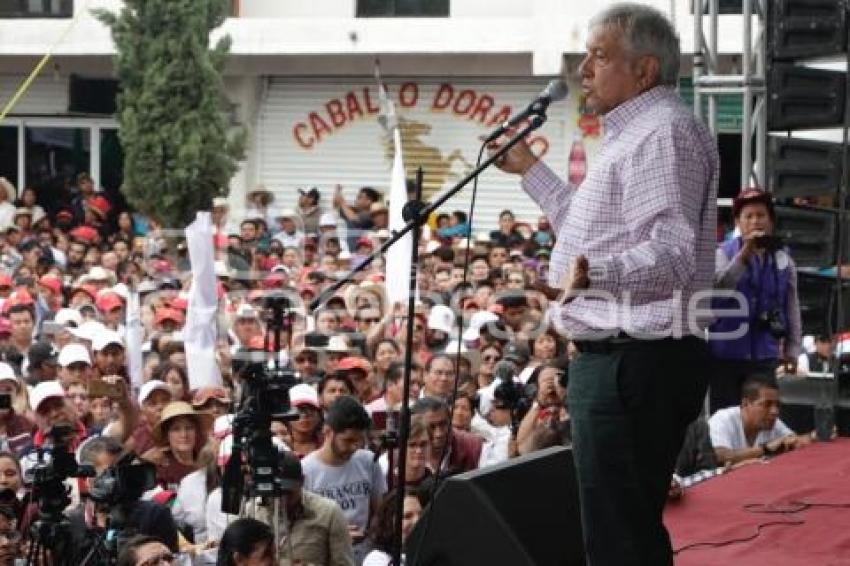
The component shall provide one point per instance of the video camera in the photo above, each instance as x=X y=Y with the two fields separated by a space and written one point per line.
x=124 y=482
x=47 y=476
x=50 y=494
x=265 y=398
x=516 y=397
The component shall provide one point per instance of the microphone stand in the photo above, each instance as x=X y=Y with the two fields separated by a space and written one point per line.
x=416 y=214
x=410 y=214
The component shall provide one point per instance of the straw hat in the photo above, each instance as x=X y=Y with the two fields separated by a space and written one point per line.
x=180 y=409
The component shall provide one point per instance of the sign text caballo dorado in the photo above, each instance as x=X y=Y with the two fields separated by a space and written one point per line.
x=356 y=104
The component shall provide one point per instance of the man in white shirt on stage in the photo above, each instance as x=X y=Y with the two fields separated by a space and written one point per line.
x=753 y=429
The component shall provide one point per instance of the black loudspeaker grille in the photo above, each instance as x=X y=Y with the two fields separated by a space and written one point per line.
x=802 y=168
x=523 y=512
x=806 y=28
x=809 y=233
x=804 y=98
x=818 y=303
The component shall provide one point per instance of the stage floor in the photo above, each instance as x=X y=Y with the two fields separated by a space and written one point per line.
x=791 y=511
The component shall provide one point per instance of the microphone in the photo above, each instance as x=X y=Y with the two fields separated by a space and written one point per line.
x=555 y=90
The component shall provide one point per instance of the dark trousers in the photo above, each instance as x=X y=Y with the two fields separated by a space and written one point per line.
x=629 y=409
x=727 y=377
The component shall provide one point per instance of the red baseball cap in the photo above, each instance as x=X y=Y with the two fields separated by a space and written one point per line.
x=89 y=290
x=354 y=362
x=167 y=313
x=52 y=283
x=99 y=205
x=107 y=302
x=274 y=281
x=85 y=234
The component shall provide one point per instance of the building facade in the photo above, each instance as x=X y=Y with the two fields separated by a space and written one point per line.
x=300 y=78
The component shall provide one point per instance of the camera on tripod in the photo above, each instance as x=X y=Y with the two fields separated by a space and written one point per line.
x=47 y=476
x=265 y=398
x=124 y=482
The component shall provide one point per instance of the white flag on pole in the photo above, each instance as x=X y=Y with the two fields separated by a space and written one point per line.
x=134 y=335
x=397 y=265
x=199 y=333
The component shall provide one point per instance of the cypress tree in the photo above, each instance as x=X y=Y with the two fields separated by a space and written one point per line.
x=171 y=109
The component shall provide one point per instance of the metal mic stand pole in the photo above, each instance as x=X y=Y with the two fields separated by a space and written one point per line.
x=411 y=212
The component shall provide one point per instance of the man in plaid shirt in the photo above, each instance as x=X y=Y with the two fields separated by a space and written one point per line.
x=633 y=259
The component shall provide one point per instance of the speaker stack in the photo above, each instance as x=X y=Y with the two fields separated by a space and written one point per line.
x=807 y=174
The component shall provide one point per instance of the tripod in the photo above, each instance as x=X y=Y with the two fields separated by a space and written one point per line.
x=50 y=542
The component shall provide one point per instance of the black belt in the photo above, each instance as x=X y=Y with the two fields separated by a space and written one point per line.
x=621 y=341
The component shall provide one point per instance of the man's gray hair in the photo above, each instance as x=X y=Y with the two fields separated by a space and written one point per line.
x=646 y=31
x=97 y=445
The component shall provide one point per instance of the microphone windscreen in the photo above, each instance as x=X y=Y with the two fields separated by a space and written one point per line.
x=556 y=90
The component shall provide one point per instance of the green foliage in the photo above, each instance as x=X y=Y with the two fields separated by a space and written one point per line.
x=171 y=108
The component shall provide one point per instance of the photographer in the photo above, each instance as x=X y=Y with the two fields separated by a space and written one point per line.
x=89 y=519
x=14 y=427
x=759 y=268
x=493 y=421
x=547 y=423
x=314 y=529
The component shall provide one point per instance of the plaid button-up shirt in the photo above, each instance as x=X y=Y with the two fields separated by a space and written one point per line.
x=645 y=218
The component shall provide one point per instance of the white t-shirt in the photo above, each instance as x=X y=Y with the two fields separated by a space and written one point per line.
x=379 y=558
x=727 y=430
x=190 y=505
x=352 y=485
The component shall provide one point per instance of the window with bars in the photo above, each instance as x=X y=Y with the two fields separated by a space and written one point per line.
x=402 y=8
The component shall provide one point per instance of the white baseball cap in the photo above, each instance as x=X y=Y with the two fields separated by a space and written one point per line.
x=246 y=311
x=73 y=353
x=105 y=338
x=64 y=316
x=7 y=373
x=476 y=323
x=303 y=394
x=44 y=391
x=88 y=330
x=328 y=219
x=149 y=387
x=441 y=318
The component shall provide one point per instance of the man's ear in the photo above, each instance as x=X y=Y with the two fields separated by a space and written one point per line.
x=649 y=71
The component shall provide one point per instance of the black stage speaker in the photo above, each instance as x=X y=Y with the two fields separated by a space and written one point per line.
x=806 y=28
x=804 y=98
x=818 y=303
x=809 y=233
x=523 y=512
x=803 y=168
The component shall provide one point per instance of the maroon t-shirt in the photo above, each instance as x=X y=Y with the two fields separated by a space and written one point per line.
x=169 y=475
x=142 y=437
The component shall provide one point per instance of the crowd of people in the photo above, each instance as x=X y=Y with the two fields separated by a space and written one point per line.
x=489 y=372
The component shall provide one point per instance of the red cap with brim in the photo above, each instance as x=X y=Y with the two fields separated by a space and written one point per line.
x=752 y=196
